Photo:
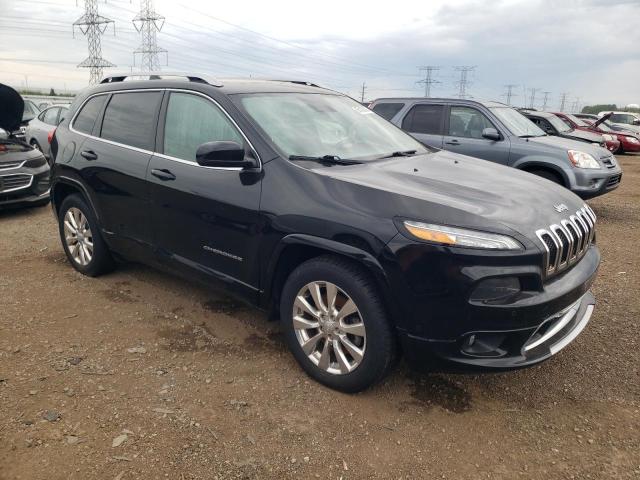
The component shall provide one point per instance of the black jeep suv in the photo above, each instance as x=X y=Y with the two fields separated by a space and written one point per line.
x=303 y=202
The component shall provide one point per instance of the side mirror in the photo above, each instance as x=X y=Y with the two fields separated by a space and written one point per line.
x=223 y=155
x=636 y=122
x=491 y=134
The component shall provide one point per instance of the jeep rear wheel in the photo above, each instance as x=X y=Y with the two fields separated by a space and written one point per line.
x=80 y=234
x=335 y=324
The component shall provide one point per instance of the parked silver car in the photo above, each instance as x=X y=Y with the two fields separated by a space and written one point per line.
x=38 y=130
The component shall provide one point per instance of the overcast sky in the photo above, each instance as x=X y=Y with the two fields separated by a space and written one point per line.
x=587 y=48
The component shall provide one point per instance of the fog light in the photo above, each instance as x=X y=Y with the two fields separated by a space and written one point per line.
x=495 y=290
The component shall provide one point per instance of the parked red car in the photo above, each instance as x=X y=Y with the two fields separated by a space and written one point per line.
x=611 y=139
x=629 y=140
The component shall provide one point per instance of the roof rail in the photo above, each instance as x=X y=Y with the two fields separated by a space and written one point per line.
x=121 y=77
x=299 y=82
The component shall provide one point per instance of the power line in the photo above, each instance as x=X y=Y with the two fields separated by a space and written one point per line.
x=427 y=81
x=148 y=23
x=509 y=94
x=464 y=82
x=92 y=25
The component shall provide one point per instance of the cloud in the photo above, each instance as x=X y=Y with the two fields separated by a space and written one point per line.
x=586 y=48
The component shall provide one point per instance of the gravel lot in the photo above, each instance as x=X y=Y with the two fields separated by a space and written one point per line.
x=139 y=374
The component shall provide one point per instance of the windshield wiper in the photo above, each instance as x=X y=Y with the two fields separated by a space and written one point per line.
x=404 y=153
x=326 y=159
x=532 y=136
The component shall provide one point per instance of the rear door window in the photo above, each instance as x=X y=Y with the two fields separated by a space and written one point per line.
x=424 y=119
x=387 y=110
x=86 y=119
x=131 y=119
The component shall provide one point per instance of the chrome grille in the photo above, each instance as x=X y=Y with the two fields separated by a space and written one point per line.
x=11 y=165
x=9 y=183
x=567 y=241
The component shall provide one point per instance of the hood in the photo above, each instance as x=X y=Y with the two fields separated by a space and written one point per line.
x=483 y=194
x=11 y=108
x=584 y=135
x=565 y=144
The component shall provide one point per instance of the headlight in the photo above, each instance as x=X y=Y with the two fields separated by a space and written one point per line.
x=460 y=237
x=607 y=137
x=582 y=159
x=633 y=140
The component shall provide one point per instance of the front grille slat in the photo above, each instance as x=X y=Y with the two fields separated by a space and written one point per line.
x=566 y=242
x=9 y=183
x=10 y=165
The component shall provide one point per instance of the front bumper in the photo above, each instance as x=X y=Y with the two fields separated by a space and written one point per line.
x=438 y=314
x=25 y=187
x=590 y=184
x=508 y=349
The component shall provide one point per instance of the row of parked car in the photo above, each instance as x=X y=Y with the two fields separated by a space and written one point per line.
x=363 y=241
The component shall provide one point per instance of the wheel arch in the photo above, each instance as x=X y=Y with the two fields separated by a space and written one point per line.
x=295 y=249
x=65 y=186
x=532 y=165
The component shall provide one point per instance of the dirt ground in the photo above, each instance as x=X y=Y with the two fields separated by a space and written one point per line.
x=139 y=374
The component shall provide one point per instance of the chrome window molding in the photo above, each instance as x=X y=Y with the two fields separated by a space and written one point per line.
x=20 y=187
x=162 y=155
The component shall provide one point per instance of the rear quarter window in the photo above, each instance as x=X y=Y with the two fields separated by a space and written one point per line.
x=131 y=119
x=387 y=110
x=424 y=119
x=86 y=119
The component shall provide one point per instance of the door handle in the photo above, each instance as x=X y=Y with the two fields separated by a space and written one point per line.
x=89 y=155
x=163 y=174
x=453 y=142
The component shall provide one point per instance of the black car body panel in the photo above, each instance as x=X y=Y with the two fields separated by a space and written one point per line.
x=245 y=228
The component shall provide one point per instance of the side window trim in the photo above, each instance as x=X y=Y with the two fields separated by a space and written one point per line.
x=162 y=120
x=95 y=134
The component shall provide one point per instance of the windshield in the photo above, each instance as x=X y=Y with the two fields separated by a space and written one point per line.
x=517 y=123
x=559 y=124
x=604 y=126
x=315 y=125
x=577 y=121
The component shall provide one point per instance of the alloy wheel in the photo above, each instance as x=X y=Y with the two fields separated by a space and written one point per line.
x=78 y=236
x=329 y=327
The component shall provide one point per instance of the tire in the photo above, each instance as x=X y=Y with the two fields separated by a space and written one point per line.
x=551 y=176
x=343 y=370
x=99 y=261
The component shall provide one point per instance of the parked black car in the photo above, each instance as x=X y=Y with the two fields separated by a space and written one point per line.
x=553 y=125
x=24 y=172
x=301 y=201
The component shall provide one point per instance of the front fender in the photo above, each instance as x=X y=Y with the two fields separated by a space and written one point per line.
x=321 y=246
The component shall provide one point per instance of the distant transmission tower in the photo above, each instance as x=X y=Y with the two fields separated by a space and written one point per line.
x=576 y=104
x=532 y=98
x=364 y=89
x=545 y=100
x=464 y=82
x=93 y=25
x=563 y=100
x=428 y=79
x=148 y=23
x=510 y=93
